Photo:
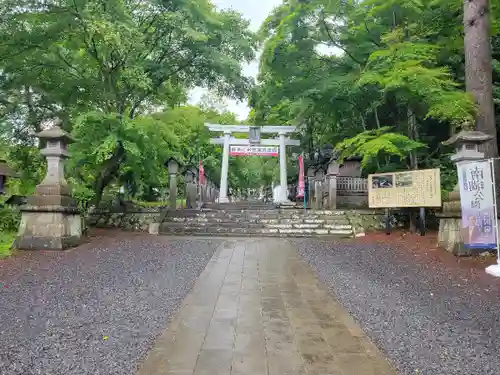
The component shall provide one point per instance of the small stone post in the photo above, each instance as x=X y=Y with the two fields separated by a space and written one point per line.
x=332 y=173
x=173 y=168
x=450 y=219
x=50 y=220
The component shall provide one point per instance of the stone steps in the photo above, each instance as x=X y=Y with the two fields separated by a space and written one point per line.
x=274 y=221
x=244 y=231
x=251 y=222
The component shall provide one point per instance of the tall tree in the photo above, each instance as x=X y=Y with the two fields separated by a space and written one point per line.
x=340 y=68
x=478 y=68
x=110 y=64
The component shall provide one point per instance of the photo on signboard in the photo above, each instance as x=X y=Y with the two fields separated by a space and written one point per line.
x=404 y=180
x=382 y=181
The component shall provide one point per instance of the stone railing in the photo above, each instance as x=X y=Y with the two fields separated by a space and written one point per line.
x=352 y=192
x=352 y=184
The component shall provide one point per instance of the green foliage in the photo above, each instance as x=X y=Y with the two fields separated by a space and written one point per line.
x=341 y=69
x=9 y=219
x=118 y=74
x=372 y=144
x=6 y=241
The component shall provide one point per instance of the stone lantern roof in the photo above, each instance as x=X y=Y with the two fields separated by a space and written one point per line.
x=5 y=170
x=54 y=133
x=466 y=136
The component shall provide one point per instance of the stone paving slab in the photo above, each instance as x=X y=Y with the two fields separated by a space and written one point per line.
x=258 y=309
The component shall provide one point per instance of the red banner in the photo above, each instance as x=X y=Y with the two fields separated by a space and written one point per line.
x=301 y=187
x=202 y=173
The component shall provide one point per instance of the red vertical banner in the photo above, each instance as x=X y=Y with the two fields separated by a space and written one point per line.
x=301 y=187
x=202 y=173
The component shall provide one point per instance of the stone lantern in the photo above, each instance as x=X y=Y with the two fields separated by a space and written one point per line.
x=173 y=168
x=467 y=145
x=5 y=173
x=50 y=219
x=191 y=176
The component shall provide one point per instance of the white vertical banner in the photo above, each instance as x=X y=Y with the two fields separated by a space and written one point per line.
x=477 y=200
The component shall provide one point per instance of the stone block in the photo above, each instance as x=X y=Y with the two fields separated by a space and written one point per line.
x=450 y=236
x=53 y=189
x=49 y=230
x=51 y=200
x=306 y=226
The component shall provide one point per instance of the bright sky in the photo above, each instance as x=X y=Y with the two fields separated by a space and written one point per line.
x=256 y=11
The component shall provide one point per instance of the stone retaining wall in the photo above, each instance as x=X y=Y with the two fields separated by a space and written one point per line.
x=132 y=220
x=370 y=220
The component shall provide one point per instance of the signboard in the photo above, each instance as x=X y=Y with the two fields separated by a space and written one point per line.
x=478 y=204
x=420 y=188
x=253 y=151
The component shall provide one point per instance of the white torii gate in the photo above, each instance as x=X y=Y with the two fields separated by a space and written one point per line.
x=227 y=140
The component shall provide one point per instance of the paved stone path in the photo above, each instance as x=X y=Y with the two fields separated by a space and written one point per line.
x=256 y=309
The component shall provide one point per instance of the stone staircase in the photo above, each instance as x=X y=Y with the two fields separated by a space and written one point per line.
x=255 y=219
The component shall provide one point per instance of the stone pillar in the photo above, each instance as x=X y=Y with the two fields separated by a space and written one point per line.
x=450 y=219
x=191 y=188
x=311 y=186
x=50 y=220
x=283 y=175
x=332 y=173
x=225 y=169
x=173 y=168
x=318 y=188
x=207 y=190
x=216 y=194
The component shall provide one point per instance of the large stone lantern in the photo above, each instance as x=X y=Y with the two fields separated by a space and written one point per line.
x=466 y=144
x=5 y=173
x=50 y=219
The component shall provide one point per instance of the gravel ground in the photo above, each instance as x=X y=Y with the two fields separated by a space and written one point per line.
x=429 y=318
x=95 y=309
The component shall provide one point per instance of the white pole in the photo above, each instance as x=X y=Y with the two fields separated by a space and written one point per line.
x=225 y=169
x=494 y=269
x=200 y=202
x=283 y=177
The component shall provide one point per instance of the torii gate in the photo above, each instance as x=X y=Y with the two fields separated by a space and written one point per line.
x=253 y=140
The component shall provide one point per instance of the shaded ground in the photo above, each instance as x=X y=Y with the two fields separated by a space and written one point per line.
x=95 y=309
x=430 y=312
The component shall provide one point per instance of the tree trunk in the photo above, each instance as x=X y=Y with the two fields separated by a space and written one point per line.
x=108 y=173
x=377 y=119
x=478 y=68
x=414 y=135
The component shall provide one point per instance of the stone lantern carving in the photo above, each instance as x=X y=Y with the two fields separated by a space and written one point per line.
x=5 y=173
x=50 y=219
x=467 y=145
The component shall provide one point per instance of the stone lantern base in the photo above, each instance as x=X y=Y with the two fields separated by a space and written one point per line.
x=50 y=220
x=450 y=226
